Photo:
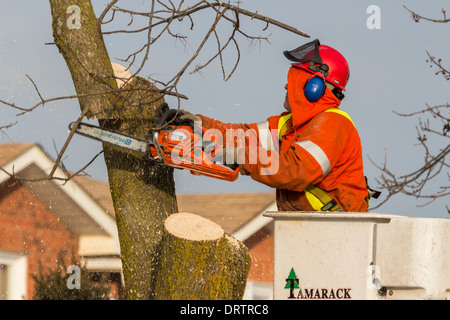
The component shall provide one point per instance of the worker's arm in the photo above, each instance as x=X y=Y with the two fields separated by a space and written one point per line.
x=320 y=149
x=231 y=135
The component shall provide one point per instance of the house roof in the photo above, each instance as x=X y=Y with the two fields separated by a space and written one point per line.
x=10 y=151
x=98 y=190
x=75 y=206
x=232 y=211
x=239 y=214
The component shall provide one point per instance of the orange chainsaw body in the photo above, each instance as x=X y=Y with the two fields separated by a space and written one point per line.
x=182 y=147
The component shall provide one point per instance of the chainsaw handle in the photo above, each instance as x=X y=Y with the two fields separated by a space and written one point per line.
x=160 y=110
x=169 y=114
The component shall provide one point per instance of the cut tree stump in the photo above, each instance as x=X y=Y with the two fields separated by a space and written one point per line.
x=199 y=261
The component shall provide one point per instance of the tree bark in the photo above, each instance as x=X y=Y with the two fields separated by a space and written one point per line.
x=200 y=261
x=143 y=193
x=84 y=51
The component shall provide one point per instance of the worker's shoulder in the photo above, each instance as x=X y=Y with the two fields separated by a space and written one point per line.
x=335 y=115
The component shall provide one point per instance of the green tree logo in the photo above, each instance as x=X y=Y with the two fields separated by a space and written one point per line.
x=292 y=283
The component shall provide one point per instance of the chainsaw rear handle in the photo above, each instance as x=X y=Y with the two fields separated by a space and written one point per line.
x=168 y=115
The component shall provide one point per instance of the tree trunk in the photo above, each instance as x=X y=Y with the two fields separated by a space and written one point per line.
x=200 y=261
x=143 y=193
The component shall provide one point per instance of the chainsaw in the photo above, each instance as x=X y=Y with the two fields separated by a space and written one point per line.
x=174 y=143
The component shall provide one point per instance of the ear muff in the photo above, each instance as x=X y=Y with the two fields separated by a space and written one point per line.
x=314 y=89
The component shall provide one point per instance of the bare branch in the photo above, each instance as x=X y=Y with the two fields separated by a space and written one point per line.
x=66 y=143
x=149 y=40
x=115 y=92
x=12 y=175
x=416 y=183
x=163 y=14
x=265 y=19
x=437 y=62
x=8 y=125
x=177 y=77
x=197 y=7
x=108 y=7
x=35 y=87
x=166 y=13
x=416 y=17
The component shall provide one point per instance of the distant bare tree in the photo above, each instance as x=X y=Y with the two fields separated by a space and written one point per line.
x=433 y=128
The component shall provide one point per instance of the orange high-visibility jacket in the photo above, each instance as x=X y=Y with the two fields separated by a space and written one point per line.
x=315 y=145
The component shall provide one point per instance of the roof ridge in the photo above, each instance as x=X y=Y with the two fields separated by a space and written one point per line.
x=11 y=151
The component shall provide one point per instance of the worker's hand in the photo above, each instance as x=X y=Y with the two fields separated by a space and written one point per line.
x=243 y=172
x=186 y=115
x=227 y=156
x=230 y=156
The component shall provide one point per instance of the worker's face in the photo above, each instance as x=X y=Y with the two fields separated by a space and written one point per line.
x=286 y=104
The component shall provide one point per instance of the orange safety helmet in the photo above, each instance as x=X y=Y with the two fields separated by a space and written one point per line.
x=316 y=58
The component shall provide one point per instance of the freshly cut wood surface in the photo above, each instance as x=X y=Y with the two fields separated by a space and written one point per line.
x=199 y=261
x=190 y=226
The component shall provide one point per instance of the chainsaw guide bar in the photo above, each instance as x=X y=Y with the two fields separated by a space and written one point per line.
x=176 y=144
x=111 y=137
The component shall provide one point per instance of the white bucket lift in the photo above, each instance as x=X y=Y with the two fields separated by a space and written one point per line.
x=360 y=256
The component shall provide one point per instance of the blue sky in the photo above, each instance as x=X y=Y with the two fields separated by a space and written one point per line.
x=388 y=72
